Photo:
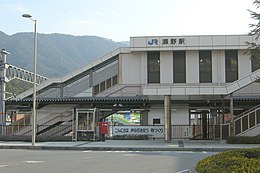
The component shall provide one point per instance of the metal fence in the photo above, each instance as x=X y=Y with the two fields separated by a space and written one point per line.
x=46 y=132
x=43 y=132
x=178 y=131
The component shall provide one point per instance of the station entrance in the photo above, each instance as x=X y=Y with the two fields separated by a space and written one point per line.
x=85 y=124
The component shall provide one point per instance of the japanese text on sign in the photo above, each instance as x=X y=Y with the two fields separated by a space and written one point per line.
x=166 y=41
x=138 y=130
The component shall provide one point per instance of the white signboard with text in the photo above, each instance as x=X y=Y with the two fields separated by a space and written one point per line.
x=154 y=131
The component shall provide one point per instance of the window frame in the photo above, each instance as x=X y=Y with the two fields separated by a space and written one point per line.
x=179 y=70
x=153 y=67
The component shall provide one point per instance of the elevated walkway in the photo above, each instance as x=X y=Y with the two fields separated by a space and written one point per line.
x=13 y=72
x=78 y=74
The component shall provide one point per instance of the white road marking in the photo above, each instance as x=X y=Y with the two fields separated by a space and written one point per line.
x=184 y=171
x=87 y=151
x=1 y=166
x=185 y=152
x=33 y=161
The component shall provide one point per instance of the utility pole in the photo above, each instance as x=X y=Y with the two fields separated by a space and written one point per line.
x=3 y=67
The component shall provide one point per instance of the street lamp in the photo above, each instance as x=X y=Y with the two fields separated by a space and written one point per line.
x=34 y=79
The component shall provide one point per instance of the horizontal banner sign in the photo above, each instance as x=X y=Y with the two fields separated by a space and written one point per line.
x=154 y=131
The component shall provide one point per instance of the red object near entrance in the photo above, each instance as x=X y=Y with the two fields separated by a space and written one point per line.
x=103 y=128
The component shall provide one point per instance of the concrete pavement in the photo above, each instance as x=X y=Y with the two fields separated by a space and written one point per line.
x=130 y=145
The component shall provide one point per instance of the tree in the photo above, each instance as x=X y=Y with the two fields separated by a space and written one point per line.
x=255 y=16
x=254 y=48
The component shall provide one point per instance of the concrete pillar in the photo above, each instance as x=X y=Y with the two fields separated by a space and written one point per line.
x=144 y=118
x=167 y=119
x=91 y=78
x=223 y=112
x=232 y=133
x=74 y=130
x=204 y=125
x=2 y=90
x=61 y=90
x=213 y=124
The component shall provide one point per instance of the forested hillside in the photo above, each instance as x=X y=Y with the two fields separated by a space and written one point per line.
x=58 y=54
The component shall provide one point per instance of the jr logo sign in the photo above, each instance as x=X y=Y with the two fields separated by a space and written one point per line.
x=153 y=42
x=166 y=41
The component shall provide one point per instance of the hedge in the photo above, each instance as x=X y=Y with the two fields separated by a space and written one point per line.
x=243 y=140
x=234 y=161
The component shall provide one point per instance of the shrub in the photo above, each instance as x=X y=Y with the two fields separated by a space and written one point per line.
x=235 y=161
x=243 y=140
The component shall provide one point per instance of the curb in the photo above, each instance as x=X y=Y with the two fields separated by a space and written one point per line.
x=117 y=148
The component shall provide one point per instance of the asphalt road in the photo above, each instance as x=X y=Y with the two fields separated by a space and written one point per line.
x=51 y=161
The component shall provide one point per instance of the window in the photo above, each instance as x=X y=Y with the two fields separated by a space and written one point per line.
x=108 y=83
x=156 y=121
x=179 y=67
x=231 y=65
x=102 y=86
x=192 y=116
x=205 y=66
x=114 y=80
x=153 y=67
x=96 y=89
x=255 y=64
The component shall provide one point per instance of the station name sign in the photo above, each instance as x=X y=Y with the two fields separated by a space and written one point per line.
x=166 y=41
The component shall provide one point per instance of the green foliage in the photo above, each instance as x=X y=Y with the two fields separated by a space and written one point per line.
x=253 y=48
x=255 y=16
x=235 y=161
x=57 y=54
x=16 y=87
x=243 y=140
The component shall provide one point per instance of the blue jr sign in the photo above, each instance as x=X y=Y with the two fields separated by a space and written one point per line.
x=153 y=42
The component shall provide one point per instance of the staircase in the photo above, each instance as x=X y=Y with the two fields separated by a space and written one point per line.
x=248 y=123
x=55 y=123
x=17 y=125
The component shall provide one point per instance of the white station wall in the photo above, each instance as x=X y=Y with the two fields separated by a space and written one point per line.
x=134 y=67
x=218 y=67
x=178 y=116
x=244 y=64
x=166 y=67
x=192 y=66
x=131 y=68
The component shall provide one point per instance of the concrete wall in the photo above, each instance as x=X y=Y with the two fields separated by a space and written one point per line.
x=53 y=109
x=218 y=67
x=166 y=67
x=244 y=64
x=180 y=116
x=131 y=65
x=192 y=66
x=134 y=67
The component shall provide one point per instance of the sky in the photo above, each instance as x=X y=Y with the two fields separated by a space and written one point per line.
x=120 y=19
